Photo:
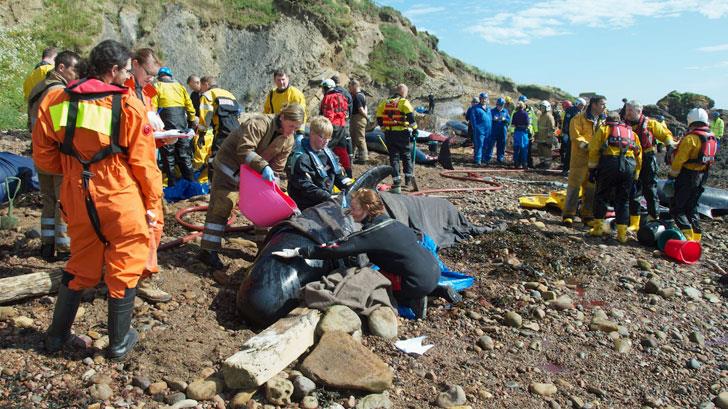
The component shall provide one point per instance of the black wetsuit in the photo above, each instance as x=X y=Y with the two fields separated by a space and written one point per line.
x=394 y=248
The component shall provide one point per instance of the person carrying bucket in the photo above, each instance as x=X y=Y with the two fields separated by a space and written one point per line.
x=690 y=165
x=263 y=142
x=615 y=157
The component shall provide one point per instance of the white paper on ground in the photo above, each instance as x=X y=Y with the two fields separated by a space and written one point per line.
x=413 y=345
x=173 y=133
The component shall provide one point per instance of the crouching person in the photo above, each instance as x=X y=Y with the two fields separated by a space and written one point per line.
x=98 y=136
x=387 y=243
x=615 y=157
x=314 y=168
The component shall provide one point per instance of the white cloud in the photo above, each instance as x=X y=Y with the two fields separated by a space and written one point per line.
x=719 y=64
x=559 y=17
x=422 y=10
x=714 y=48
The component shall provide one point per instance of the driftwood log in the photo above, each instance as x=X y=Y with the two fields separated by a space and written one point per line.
x=29 y=285
x=266 y=354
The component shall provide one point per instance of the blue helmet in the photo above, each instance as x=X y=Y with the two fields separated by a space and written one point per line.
x=522 y=98
x=164 y=71
x=500 y=102
x=483 y=95
x=660 y=118
x=716 y=114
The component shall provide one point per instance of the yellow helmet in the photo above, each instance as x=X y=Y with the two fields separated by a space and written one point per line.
x=508 y=100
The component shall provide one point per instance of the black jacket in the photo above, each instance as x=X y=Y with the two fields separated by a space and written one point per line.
x=393 y=247
x=307 y=184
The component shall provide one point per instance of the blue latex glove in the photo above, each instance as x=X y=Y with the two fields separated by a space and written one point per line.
x=268 y=174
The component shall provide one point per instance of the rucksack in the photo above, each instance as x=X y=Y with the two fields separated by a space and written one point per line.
x=708 y=146
x=227 y=111
x=335 y=107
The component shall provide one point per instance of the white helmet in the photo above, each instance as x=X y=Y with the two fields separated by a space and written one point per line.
x=580 y=101
x=546 y=105
x=697 y=115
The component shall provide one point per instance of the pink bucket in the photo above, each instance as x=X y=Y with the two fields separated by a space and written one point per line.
x=263 y=202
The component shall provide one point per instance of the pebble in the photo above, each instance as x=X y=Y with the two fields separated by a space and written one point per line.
x=542 y=389
x=562 y=303
x=694 y=364
x=454 y=396
x=88 y=375
x=604 y=325
x=22 y=322
x=486 y=343
x=309 y=402
x=101 y=391
x=722 y=400
x=88 y=361
x=240 y=400
x=100 y=378
x=513 y=319
x=649 y=342
x=668 y=292
x=176 y=384
x=383 y=323
x=175 y=397
x=157 y=388
x=204 y=389
x=278 y=391
x=697 y=338
x=141 y=381
x=101 y=343
x=375 y=401
x=302 y=386
x=653 y=286
x=692 y=293
x=622 y=345
x=187 y=403
x=644 y=265
x=339 y=318
x=7 y=313
x=93 y=334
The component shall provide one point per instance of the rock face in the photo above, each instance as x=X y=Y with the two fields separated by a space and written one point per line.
x=340 y=362
x=678 y=104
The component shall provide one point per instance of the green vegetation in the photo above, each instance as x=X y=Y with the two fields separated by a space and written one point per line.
x=544 y=92
x=398 y=57
x=455 y=65
x=63 y=24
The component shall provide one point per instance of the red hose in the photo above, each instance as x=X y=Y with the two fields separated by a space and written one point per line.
x=197 y=229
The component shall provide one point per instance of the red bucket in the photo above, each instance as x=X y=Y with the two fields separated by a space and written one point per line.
x=685 y=251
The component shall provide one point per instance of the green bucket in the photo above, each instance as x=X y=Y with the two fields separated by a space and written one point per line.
x=668 y=234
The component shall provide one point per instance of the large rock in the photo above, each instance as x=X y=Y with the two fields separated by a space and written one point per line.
x=341 y=362
x=339 y=318
x=383 y=323
x=453 y=396
x=678 y=104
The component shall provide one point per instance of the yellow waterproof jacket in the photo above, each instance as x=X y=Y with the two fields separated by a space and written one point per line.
x=208 y=105
x=172 y=94
x=275 y=100
x=37 y=75
x=599 y=147
x=688 y=149
x=717 y=127
x=581 y=131
x=393 y=113
x=658 y=129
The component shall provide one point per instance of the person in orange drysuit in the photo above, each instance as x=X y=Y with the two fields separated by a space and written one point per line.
x=144 y=67
x=111 y=189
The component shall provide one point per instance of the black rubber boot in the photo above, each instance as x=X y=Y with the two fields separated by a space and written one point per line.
x=48 y=252
x=418 y=306
x=211 y=259
x=122 y=337
x=63 y=316
x=447 y=293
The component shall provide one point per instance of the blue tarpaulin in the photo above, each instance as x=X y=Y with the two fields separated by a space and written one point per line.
x=18 y=166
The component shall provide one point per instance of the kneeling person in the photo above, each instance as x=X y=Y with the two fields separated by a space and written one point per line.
x=314 y=168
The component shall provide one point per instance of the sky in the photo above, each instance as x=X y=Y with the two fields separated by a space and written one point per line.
x=635 y=49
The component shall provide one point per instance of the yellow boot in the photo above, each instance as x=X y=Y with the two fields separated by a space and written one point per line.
x=697 y=236
x=688 y=233
x=597 y=229
x=634 y=223
x=622 y=233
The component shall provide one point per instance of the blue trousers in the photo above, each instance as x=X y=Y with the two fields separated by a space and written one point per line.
x=499 y=140
x=520 y=147
x=480 y=141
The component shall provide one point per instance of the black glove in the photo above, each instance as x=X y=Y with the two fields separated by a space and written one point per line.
x=593 y=173
x=201 y=140
x=660 y=148
x=413 y=135
x=668 y=155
